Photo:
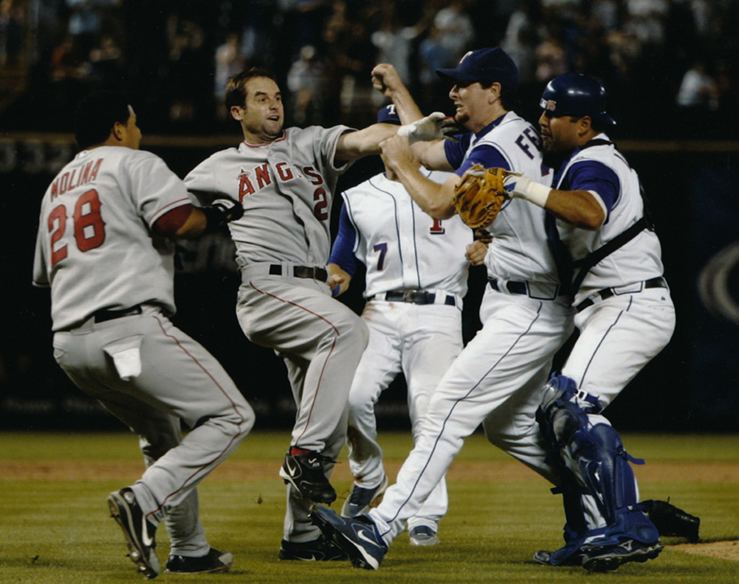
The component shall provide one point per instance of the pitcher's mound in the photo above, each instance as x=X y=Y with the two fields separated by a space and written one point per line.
x=723 y=550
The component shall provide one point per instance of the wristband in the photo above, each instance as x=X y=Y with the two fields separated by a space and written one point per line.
x=531 y=191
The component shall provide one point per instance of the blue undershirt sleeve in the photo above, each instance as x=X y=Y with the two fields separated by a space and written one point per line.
x=487 y=155
x=591 y=175
x=455 y=151
x=342 y=251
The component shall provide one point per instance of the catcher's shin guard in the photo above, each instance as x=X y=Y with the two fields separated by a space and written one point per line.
x=595 y=456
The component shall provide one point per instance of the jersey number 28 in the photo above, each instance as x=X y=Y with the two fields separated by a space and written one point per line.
x=89 y=227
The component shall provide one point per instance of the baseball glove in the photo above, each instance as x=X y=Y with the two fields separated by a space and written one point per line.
x=480 y=195
x=671 y=520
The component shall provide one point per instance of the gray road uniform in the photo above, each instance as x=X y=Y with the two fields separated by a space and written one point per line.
x=111 y=284
x=282 y=246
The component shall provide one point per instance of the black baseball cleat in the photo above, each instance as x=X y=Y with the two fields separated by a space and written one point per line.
x=609 y=557
x=139 y=532
x=305 y=473
x=358 y=536
x=213 y=561
x=318 y=550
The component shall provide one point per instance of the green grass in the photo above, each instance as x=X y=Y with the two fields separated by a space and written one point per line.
x=55 y=528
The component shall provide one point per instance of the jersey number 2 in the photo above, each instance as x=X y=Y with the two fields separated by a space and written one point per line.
x=89 y=227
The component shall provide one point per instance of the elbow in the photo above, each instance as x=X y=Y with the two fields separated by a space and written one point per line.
x=440 y=210
x=592 y=219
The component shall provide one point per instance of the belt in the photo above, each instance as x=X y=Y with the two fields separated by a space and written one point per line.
x=512 y=287
x=414 y=297
x=658 y=282
x=299 y=272
x=534 y=290
x=106 y=314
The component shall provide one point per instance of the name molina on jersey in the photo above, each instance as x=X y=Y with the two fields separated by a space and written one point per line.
x=75 y=177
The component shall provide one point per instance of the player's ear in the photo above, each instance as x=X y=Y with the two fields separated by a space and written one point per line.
x=237 y=112
x=496 y=90
x=118 y=131
x=584 y=125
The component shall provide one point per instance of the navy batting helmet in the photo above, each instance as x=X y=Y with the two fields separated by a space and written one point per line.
x=574 y=94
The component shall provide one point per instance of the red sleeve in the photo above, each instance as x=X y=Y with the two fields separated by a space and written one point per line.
x=169 y=223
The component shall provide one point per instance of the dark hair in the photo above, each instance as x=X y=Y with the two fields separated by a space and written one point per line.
x=97 y=114
x=508 y=95
x=236 y=86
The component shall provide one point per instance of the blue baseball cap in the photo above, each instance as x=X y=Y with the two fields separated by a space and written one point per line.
x=388 y=115
x=485 y=66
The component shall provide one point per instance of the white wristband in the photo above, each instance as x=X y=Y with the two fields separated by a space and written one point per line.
x=535 y=193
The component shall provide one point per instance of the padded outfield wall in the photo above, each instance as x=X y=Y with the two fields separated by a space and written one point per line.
x=693 y=385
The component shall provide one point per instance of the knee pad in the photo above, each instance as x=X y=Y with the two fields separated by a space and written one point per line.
x=558 y=415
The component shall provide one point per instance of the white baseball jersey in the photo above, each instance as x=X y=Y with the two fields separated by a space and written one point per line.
x=286 y=188
x=496 y=380
x=403 y=247
x=93 y=247
x=519 y=250
x=637 y=260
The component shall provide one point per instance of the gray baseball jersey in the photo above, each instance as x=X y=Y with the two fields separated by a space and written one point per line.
x=403 y=248
x=282 y=245
x=96 y=250
x=111 y=291
x=286 y=188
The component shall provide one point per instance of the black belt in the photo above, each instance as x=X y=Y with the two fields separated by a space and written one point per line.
x=658 y=282
x=415 y=297
x=512 y=287
x=106 y=314
x=300 y=272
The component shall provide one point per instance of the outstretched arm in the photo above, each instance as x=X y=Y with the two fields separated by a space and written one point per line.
x=385 y=79
x=353 y=145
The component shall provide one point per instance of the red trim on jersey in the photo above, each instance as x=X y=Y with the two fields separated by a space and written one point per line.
x=171 y=221
x=282 y=137
x=188 y=482
x=331 y=350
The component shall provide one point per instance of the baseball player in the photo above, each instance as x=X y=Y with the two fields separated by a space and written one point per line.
x=285 y=179
x=624 y=313
x=105 y=248
x=525 y=316
x=416 y=277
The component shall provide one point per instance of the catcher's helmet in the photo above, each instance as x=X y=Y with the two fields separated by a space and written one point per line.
x=574 y=94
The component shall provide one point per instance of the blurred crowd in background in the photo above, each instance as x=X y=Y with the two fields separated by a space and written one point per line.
x=659 y=58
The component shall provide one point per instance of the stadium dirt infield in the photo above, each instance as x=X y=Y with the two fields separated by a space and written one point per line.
x=261 y=470
x=721 y=550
